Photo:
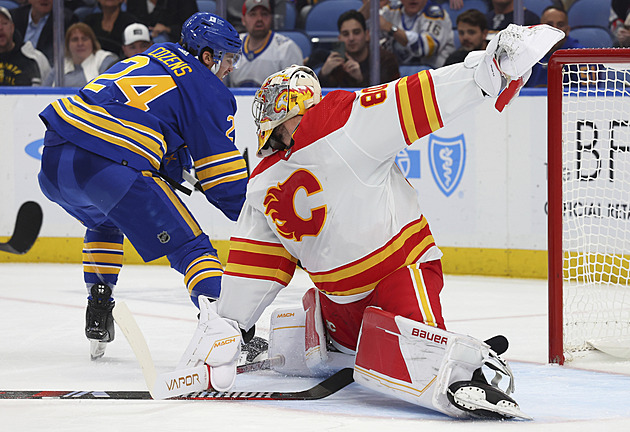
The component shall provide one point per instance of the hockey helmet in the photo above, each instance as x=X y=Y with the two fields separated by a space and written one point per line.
x=283 y=95
x=207 y=30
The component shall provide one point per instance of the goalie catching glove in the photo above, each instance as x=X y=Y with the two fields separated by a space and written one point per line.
x=217 y=343
x=506 y=64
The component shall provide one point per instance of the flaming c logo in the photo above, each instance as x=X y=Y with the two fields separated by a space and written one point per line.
x=280 y=206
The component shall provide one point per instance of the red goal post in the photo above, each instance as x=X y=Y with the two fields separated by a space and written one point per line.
x=589 y=202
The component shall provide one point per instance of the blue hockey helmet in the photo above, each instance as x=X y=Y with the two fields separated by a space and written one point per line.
x=207 y=30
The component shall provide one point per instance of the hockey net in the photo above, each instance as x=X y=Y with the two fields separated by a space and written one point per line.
x=589 y=202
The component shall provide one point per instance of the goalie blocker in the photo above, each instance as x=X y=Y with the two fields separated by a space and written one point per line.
x=402 y=358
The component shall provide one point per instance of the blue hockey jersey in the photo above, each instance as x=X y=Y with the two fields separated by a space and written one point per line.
x=159 y=111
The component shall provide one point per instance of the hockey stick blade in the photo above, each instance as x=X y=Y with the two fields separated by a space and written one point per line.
x=174 y=383
x=27 y=225
x=197 y=379
x=326 y=388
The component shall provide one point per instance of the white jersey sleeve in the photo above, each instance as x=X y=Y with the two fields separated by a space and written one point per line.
x=253 y=283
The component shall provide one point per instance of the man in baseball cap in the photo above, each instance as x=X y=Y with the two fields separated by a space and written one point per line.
x=136 y=39
x=264 y=51
x=251 y=4
x=20 y=64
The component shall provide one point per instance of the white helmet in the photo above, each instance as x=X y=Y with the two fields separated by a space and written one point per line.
x=283 y=95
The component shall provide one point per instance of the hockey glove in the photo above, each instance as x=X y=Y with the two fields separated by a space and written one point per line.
x=216 y=342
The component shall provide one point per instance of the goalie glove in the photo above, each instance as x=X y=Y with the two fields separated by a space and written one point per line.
x=506 y=64
x=217 y=343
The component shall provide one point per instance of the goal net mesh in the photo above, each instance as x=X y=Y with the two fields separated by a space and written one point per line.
x=595 y=203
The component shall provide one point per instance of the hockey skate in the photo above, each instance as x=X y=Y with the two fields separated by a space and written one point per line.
x=254 y=350
x=99 y=322
x=483 y=400
x=506 y=64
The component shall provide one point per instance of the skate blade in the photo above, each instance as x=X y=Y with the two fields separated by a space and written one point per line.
x=97 y=349
x=475 y=400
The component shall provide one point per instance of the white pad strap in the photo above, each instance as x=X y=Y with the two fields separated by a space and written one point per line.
x=501 y=369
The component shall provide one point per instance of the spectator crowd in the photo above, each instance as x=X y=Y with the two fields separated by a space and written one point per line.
x=413 y=35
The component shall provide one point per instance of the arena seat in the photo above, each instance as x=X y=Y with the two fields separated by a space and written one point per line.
x=592 y=37
x=589 y=13
x=321 y=21
x=301 y=39
x=537 y=6
x=207 y=6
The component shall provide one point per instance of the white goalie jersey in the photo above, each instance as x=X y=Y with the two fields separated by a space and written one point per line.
x=336 y=200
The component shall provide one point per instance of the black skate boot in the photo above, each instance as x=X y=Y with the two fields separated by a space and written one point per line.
x=253 y=348
x=483 y=400
x=99 y=322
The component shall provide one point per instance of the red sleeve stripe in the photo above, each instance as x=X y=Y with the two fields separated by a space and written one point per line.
x=417 y=107
x=260 y=260
x=362 y=275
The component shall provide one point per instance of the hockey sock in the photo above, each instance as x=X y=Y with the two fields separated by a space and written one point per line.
x=102 y=256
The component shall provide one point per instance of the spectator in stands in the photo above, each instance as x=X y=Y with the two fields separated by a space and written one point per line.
x=85 y=60
x=136 y=39
x=623 y=35
x=20 y=64
x=620 y=27
x=109 y=24
x=34 y=22
x=556 y=17
x=417 y=31
x=264 y=51
x=501 y=14
x=349 y=65
x=472 y=30
x=163 y=17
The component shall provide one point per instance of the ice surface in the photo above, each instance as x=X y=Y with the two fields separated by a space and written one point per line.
x=42 y=346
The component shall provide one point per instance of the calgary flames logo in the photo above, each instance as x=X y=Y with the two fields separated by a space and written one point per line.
x=280 y=104
x=280 y=206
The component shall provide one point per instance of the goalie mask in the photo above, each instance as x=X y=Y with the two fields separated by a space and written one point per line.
x=282 y=96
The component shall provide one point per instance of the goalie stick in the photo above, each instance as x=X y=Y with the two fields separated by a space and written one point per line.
x=324 y=389
x=175 y=383
x=27 y=225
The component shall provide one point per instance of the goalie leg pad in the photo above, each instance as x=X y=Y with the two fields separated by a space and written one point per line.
x=298 y=335
x=415 y=362
x=286 y=340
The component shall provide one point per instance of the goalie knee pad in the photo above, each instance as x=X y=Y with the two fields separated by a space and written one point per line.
x=417 y=363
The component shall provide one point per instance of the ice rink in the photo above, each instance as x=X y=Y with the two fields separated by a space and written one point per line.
x=42 y=347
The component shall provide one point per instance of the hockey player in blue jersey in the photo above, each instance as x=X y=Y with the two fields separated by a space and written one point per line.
x=114 y=153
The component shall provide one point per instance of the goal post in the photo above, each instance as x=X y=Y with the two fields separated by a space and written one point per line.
x=588 y=202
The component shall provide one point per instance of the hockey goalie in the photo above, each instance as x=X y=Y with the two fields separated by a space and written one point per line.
x=328 y=193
